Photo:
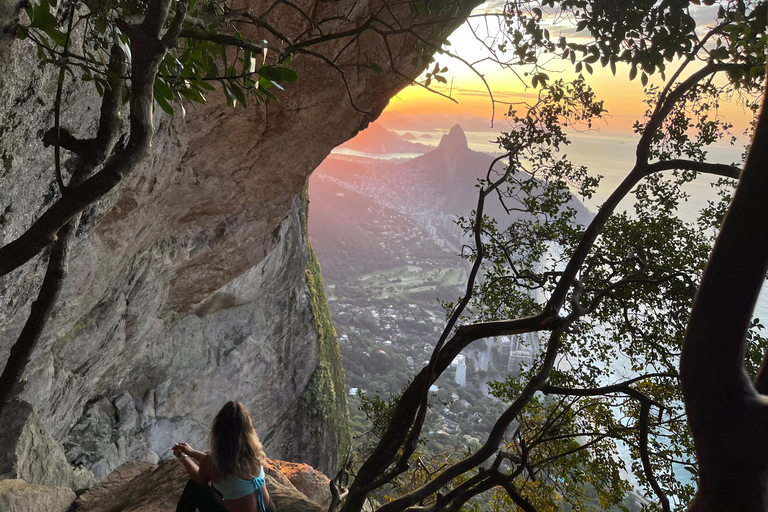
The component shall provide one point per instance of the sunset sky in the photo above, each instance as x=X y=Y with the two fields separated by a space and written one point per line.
x=623 y=98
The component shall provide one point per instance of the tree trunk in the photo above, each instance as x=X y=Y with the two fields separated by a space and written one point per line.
x=727 y=415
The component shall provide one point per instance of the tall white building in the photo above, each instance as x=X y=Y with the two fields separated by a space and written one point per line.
x=461 y=371
x=522 y=350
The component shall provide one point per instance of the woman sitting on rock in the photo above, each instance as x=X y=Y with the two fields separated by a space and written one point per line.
x=234 y=467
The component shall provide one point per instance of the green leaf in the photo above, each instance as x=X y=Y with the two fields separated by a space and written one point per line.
x=193 y=95
x=273 y=73
x=290 y=75
x=40 y=10
x=213 y=71
x=270 y=95
x=45 y=21
x=163 y=104
x=238 y=93
x=644 y=79
x=204 y=85
x=57 y=36
x=247 y=60
x=162 y=89
x=100 y=25
x=230 y=97
x=113 y=78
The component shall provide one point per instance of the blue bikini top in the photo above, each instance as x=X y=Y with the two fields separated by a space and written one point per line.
x=233 y=487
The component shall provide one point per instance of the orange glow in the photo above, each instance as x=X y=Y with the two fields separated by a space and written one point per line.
x=624 y=99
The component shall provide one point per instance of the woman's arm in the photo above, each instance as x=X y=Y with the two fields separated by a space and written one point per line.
x=200 y=474
x=265 y=495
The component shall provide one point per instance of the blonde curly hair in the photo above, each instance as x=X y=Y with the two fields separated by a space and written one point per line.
x=234 y=443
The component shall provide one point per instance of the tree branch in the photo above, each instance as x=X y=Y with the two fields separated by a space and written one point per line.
x=645 y=409
x=724 y=170
x=147 y=55
x=224 y=39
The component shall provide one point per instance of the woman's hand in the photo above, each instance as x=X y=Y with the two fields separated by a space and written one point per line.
x=181 y=449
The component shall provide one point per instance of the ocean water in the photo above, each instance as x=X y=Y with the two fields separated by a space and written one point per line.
x=378 y=156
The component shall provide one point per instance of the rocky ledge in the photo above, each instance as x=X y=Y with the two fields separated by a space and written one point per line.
x=35 y=477
x=139 y=486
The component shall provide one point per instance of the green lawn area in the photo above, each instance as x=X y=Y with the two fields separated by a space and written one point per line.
x=408 y=282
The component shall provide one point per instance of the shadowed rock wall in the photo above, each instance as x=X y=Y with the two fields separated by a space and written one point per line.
x=188 y=285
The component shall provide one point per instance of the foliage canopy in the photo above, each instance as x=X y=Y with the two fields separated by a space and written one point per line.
x=611 y=301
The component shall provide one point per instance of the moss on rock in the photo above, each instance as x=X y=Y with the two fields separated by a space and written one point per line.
x=324 y=401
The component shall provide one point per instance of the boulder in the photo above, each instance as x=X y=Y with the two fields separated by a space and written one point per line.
x=138 y=486
x=20 y=496
x=272 y=468
x=307 y=480
x=30 y=453
x=110 y=493
x=103 y=437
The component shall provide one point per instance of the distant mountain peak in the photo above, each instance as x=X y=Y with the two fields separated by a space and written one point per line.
x=454 y=139
x=377 y=139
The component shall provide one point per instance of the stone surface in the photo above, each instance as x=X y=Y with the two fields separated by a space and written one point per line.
x=187 y=285
x=271 y=468
x=20 y=496
x=9 y=10
x=307 y=480
x=30 y=453
x=142 y=487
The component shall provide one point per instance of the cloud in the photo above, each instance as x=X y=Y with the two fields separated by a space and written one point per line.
x=406 y=121
x=501 y=95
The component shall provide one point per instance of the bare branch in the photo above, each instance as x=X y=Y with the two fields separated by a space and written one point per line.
x=645 y=409
x=724 y=170
x=224 y=39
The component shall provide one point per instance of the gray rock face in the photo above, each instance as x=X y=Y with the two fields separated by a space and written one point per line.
x=9 y=10
x=20 y=496
x=187 y=285
x=30 y=453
